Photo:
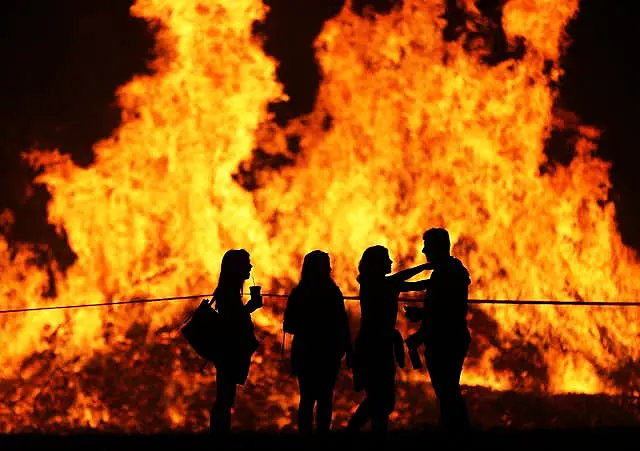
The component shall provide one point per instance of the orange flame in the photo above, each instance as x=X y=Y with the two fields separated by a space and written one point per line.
x=422 y=134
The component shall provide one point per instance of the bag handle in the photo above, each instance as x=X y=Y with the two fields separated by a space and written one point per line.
x=212 y=300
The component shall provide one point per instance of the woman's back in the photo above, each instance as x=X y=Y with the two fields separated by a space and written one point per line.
x=316 y=316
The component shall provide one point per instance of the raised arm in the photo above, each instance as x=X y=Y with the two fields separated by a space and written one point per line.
x=408 y=273
x=419 y=285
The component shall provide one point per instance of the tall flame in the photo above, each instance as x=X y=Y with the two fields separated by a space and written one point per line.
x=408 y=132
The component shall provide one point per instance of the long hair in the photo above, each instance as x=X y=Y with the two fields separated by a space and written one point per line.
x=373 y=263
x=316 y=269
x=233 y=264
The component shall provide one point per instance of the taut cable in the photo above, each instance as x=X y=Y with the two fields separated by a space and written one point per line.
x=348 y=298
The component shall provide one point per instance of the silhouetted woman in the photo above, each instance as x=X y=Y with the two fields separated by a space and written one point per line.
x=316 y=316
x=379 y=343
x=237 y=338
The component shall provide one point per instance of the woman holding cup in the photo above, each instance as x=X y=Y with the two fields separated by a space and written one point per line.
x=237 y=337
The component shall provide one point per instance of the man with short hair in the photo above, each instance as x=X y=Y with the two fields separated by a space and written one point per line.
x=444 y=330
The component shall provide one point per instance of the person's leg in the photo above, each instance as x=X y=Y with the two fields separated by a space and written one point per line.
x=379 y=422
x=444 y=370
x=220 y=420
x=361 y=415
x=307 y=402
x=384 y=402
x=324 y=409
x=460 y=416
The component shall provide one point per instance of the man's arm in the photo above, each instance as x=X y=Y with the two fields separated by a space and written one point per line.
x=419 y=285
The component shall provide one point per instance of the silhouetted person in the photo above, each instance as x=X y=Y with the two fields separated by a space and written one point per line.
x=444 y=330
x=237 y=338
x=315 y=314
x=376 y=347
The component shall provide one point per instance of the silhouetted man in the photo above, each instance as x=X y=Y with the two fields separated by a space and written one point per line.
x=444 y=329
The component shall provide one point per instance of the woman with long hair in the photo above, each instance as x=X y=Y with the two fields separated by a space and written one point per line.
x=237 y=341
x=379 y=344
x=315 y=314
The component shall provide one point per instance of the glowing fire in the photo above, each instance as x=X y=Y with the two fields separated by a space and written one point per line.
x=422 y=133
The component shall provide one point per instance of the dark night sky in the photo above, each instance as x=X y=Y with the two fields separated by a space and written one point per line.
x=62 y=61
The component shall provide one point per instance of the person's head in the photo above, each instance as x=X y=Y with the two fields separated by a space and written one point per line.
x=437 y=245
x=316 y=266
x=234 y=269
x=375 y=262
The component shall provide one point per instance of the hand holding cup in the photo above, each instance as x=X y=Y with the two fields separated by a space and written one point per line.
x=256 y=297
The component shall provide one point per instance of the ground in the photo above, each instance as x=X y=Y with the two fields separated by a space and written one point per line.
x=494 y=439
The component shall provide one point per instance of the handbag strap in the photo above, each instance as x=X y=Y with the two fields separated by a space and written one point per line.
x=210 y=304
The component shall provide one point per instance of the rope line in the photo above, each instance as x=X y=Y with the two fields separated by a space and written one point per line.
x=348 y=298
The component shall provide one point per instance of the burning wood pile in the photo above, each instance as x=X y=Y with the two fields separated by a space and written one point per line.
x=154 y=383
